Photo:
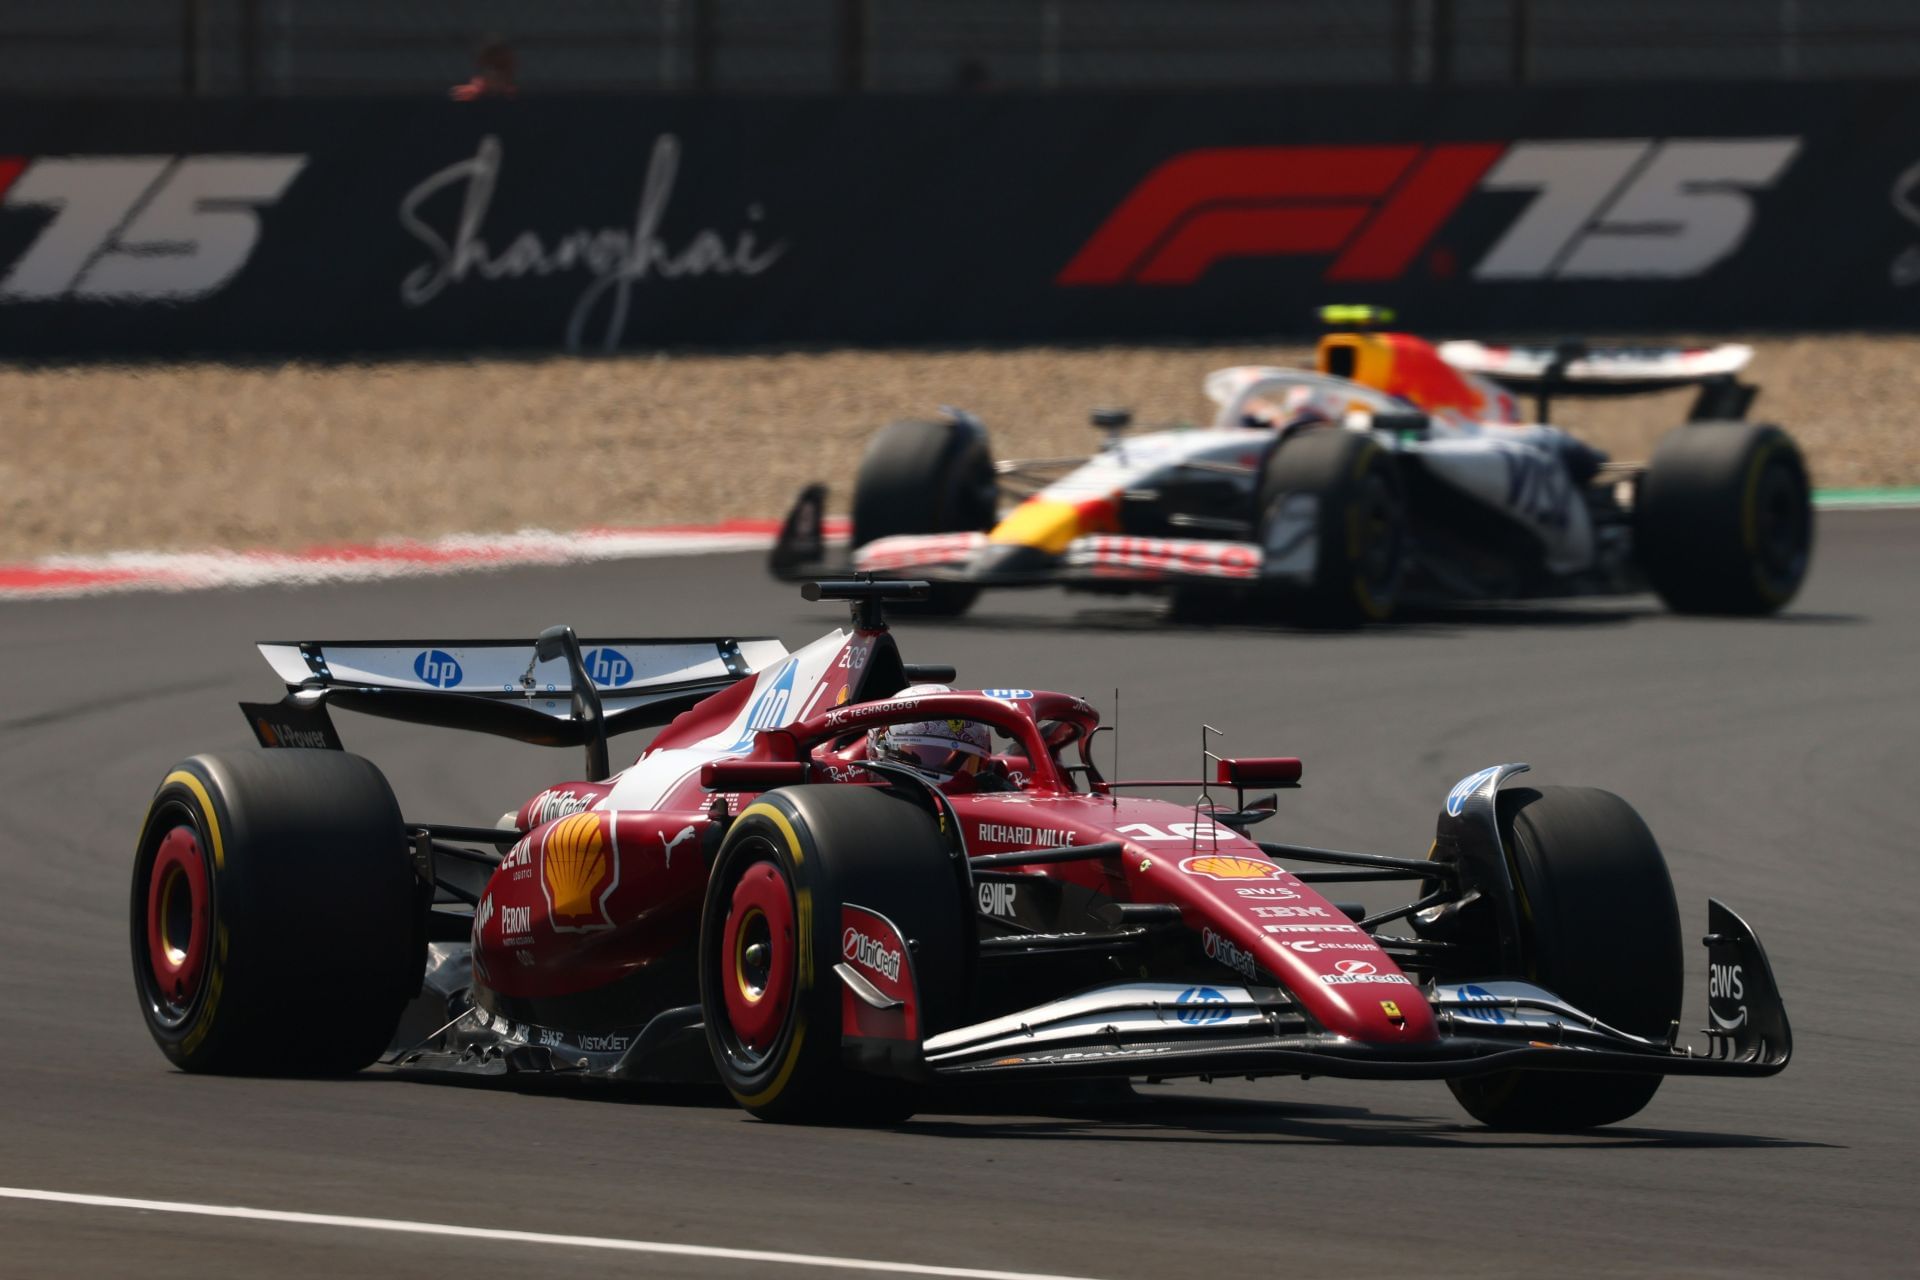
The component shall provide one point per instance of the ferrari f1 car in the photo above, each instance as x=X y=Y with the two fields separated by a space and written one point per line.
x=1394 y=472
x=829 y=928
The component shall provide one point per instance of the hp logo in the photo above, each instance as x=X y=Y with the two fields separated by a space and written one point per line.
x=438 y=668
x=608 y=668
x=1200 y=1005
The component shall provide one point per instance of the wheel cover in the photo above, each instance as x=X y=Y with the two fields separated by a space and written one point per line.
x=1782 y=525
x=757 y=954
x=179 y=923
x=1375 y=544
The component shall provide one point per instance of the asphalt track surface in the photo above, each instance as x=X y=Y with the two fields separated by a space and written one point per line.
x=1776 y=760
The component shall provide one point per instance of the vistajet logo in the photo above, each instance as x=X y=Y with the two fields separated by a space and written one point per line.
x=1601 y=209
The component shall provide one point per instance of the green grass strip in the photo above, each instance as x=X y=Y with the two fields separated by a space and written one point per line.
x=1905 y=497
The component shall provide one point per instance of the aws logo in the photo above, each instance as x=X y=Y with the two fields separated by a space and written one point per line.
x=1607 y=208
x=579 y=870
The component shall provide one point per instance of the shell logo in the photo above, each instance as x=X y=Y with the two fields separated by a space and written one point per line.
x=579 y=870
x=1219 y=866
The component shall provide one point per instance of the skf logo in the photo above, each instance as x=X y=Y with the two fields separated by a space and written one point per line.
x=1617 y=208
x=138 y=228
x=579 y=870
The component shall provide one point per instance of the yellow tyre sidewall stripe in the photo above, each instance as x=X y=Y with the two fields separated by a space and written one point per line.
x=1363 y=595
x=216 y=973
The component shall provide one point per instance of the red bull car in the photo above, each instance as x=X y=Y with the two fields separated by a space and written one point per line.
x=778 y=895
x=1395 y=472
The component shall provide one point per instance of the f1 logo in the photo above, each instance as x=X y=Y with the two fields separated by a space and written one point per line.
x=1602 y=209
x=138 y=228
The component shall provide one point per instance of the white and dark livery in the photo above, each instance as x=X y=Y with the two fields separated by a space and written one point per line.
x=1396 y=471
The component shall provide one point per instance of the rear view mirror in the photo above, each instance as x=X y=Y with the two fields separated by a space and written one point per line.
x=552 y=643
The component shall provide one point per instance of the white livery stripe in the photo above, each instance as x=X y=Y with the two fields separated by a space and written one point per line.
x=614 y=1243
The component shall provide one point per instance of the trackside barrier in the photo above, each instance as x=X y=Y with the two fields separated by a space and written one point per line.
x=343 y=227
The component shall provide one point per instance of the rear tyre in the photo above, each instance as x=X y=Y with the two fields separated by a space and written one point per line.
x=1330 y=505
x=770 y=936
x=1600 y=929
x=1725 y=519
x=275 y=916
x=926 y=477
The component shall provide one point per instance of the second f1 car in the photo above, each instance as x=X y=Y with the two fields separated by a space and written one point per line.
x=830 y=883
x=1395 y=472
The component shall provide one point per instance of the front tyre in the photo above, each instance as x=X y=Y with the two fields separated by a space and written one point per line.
x=926 y=477
x=1332 y=517
x=275 y=914
x=770 y=936
x=1600 y=929
x=1724 y=519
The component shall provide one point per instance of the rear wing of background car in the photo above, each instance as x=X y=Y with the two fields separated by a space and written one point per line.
x=1576 y=368
x=554 y=691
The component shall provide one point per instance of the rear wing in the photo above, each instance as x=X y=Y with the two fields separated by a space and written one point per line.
x=554 y=691
x=1578 y=369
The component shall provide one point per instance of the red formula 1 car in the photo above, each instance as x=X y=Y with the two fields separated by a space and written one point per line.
x=832 y=884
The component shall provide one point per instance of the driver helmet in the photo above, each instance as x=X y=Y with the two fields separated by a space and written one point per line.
x=937 y=750
x=1299 y=406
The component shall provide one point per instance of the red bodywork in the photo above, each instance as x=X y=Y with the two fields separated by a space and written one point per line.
x=594 y=892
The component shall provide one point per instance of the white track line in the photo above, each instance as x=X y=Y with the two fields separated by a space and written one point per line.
x=522 y=1237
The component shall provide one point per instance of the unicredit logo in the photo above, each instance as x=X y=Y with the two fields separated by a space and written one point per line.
x=870 y=953
x=1607 y=208
x=1355 y=966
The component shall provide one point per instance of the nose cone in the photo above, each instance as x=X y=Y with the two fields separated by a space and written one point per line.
x=1048 y=525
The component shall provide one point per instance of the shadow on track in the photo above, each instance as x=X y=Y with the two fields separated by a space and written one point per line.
x=1142 y=1117
x=1117 y=1112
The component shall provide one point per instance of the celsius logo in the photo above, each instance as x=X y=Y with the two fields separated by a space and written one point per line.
x=1601 y=209
x=438 y=668
x=769 y=709
x=137 y=228
x=608 y=667
x=877 y=956
x=1201 y=1005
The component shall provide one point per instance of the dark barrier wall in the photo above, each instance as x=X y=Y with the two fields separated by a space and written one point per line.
x=342 y=227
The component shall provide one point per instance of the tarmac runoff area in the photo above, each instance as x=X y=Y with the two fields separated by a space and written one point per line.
x=1772 y=758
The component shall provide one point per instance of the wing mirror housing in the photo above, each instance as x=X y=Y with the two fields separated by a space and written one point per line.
x=560 y=642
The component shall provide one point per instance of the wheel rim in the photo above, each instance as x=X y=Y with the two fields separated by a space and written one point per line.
x=1782 y=525
x=758 y=956
x=179 y=925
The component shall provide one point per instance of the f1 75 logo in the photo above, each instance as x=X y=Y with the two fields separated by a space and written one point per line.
x=1601 y=209
x=138 y=228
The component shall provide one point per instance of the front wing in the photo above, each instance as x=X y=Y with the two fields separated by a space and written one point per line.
x=1166 y=1030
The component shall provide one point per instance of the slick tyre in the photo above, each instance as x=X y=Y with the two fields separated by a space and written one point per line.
x=772 y=932
x=926 y=477
x=1724 y=519
x=1332 y=513
x=1600 y=929
x=276 y=922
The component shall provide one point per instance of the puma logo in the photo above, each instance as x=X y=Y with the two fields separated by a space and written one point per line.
x=685 y=834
